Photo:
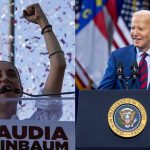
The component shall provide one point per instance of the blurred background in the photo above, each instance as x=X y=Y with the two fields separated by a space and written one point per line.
x=101 y=27
x=23 y=43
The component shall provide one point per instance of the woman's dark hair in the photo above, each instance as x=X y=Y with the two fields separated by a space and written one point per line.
x=14 y=68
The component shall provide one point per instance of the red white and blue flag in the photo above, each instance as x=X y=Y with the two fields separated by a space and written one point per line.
x=101 y=27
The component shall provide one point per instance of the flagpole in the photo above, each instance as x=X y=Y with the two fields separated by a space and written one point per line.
x=11 y=32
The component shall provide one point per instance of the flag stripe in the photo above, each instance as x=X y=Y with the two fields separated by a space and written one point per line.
x=85 y=73
x=101 y=24
x=79 y=82
x=115 y=44
x=122 y=36
x=81 y=75
x=111 y=7
x=107 y=30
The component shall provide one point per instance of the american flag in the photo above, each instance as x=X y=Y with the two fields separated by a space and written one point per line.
x=129 y=7
x=101 y=27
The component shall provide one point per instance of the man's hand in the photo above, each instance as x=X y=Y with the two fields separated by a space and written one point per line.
x=35 y=14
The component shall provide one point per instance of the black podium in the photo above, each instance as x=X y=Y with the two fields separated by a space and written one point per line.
x=92 y=129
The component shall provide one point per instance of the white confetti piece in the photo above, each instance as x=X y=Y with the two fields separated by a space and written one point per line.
x=31 y=55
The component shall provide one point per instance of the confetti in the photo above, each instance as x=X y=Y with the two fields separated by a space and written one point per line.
x=28 y=47
x=35 y=37
x=30 y=69
x=31 y=55
x=42 y=53
x=41 y=85
x=70 y=57
x=62 y=40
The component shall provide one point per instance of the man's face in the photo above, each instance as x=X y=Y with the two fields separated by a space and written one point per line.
x=140 y=32
x=10 y=78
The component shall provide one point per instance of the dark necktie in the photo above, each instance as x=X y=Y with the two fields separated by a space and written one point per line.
x=143 y=72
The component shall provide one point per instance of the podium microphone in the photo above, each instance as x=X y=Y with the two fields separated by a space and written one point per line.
x=119 y=70
x=134 y=74
x=119 y=73
x=134 y=69
x=5 y=89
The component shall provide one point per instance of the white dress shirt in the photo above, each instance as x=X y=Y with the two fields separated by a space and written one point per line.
x=48 y=110
x=138 y=58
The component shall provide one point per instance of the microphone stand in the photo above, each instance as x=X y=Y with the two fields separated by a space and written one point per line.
x=133 y=75
x=127 y=82
x=6 y=89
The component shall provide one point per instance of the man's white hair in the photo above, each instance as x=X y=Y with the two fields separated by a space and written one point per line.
x=142 y=13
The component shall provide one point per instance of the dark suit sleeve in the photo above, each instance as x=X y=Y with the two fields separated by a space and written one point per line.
x=109 y=79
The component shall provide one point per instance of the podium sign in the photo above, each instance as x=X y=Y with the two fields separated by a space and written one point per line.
x=113 y=119
x=31 y=135
x=39 y=131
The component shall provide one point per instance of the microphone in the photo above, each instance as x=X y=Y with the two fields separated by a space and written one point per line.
x=119 y=70
x=120 y=74
x=17 y=91
x=134 y=73
x=6 y=89
x=134 y=69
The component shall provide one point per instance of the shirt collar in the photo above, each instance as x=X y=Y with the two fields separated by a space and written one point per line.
x=139 y=53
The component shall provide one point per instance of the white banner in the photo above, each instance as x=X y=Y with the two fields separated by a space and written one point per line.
x=36 y=135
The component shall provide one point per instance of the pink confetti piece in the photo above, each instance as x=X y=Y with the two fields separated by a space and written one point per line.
x=45 y=65
x=41 y=84
x=70 y=57
x=60 y=19
x=71 y=74
x=14 y=21
x=59 y=7
x=23 y=105
x=47 y=69
x=30 y=69
x=35 y=37
x=62 y=40
x=44 y=75
x=28 y=47
x=42 y=53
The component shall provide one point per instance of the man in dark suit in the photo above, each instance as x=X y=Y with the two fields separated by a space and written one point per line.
x=138 y=52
